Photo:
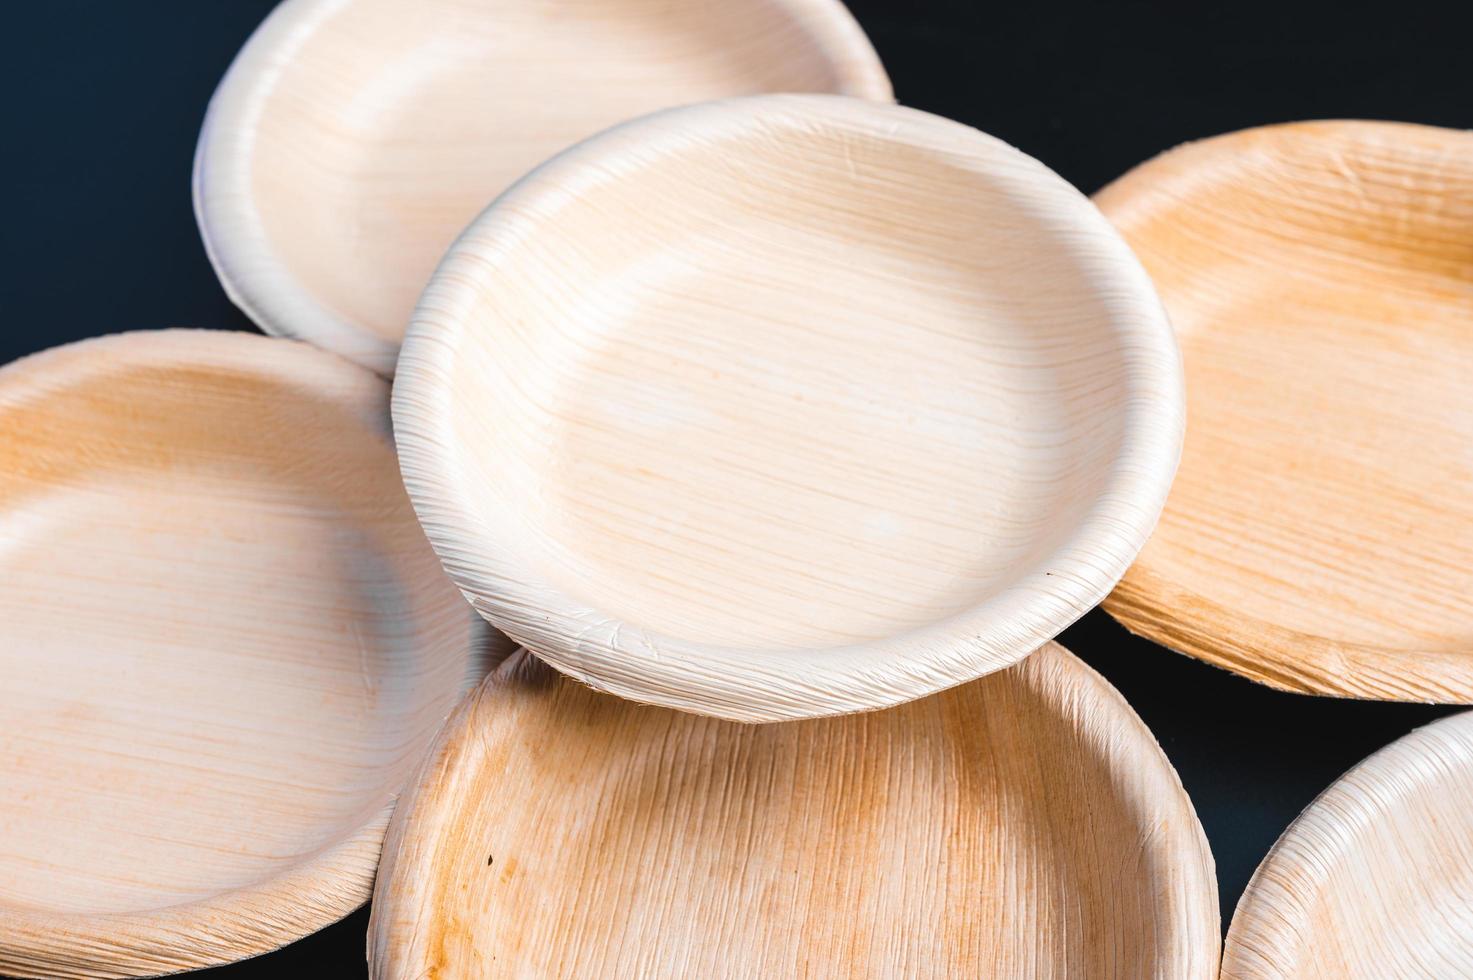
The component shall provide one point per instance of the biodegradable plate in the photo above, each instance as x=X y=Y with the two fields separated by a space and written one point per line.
x=788 y=406
x=1025 y=825
x=224 y=643
x=353 y=139
x=1320 y=535
x=1375 y=878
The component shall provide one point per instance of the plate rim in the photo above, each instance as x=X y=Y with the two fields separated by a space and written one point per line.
x=1261 y=935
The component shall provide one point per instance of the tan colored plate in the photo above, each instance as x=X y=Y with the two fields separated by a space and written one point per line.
x=1024 y=825
x=224 y=645
x=1374 y=881
x=1319 y=537
x=788 y=406
x=352 y=140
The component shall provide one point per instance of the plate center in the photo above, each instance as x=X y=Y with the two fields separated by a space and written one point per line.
x=206 y=681
x=754 y=457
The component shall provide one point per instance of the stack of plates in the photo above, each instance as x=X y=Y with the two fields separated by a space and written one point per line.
x=781 y=405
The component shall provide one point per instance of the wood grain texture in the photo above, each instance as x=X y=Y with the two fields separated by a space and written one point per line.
x=352 y=140
x=1375 y=878
x=1319 y=537
x=1024 y=825
x=225 y=645
x=787 y=406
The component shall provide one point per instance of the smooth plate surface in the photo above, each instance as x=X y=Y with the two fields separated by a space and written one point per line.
x=352 y=140
x=788 y=406
x=225 y=646
x=1024 y=825
x=1319 y=536
x=1375 y=879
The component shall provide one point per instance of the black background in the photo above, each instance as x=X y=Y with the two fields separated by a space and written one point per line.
x=103 y=99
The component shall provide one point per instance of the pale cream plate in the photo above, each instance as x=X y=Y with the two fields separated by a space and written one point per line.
x=1024 y=825
x=352 y=140
x=1374 y=881
x=1319 y=537
x=224 y=642
x=788 y=406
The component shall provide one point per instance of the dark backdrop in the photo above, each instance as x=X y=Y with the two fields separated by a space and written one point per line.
x=102 y=101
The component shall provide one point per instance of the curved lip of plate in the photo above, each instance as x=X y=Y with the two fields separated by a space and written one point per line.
x=1274 y=925
x=422 y=834
x=1150 y=604
x=249 y=920
x=252 y=272
x=655 y=668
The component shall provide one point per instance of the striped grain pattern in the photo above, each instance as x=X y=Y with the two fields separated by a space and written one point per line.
x=788 y=406
x=224 y=642
x=1024 y=825
x=1374 y=881
x=353 y=139
x=1319 y=537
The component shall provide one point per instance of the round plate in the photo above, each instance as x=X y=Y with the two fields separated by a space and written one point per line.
x=1319 y=537
x=1375 y=878
x=225 y=647
x=352 y=140
x=788 y=406
x=1025 y=825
